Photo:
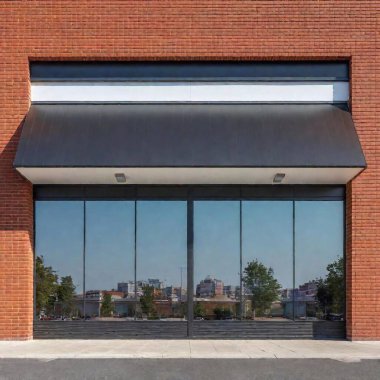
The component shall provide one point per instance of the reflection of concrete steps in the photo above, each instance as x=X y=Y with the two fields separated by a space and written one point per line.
x=268 y=329
x=109 y=329
x=178 y=329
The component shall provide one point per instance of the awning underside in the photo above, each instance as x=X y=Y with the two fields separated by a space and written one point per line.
x=188 y=143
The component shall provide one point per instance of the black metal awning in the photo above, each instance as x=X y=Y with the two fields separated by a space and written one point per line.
x=262 y=136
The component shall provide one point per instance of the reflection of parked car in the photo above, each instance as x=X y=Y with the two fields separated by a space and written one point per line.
x=334 y=317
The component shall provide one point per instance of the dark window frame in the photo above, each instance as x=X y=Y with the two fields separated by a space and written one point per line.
x=189 y=192
x=190 y=70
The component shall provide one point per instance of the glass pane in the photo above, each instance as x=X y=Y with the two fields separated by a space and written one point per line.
x=110 y=260
x=59 y=259
x=161 y=260
x=216 y=260
x=319 y=274
x=267 y=232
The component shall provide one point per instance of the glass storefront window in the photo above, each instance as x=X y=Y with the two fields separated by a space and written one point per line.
x=319 y=264
x=267 y=237
x=59 y=260
x=161 y=260
x=216 y=260
x=126 y=260
x=110 y=231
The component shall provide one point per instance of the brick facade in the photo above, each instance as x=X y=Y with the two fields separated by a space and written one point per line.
x=187 y=30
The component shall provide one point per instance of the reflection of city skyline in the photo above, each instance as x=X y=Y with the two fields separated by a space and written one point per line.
x=211 y=292
x=128 y=297
x=210 y=286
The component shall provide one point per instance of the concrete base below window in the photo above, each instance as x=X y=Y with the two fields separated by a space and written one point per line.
x=178 y=330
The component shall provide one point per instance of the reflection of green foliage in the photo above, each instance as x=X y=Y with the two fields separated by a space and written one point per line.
x=147 y=304
x=66 y=295
x=199 y=310
x=222 y=313
x=46 y=287
x=262 y=285
x=183 y=309
x=107 y=308
x=179 y=309
x=330 y=291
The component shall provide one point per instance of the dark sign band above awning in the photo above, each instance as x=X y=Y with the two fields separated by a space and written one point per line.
x=189 y=143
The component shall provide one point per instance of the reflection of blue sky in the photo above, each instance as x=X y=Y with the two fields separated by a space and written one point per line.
x=162 y=241
x=267 y=237
x=109 y=243
x=161 y=244
x=216 y=241
x=319 y=238
x=59 y=237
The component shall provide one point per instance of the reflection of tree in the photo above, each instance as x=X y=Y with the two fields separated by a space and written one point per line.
x=147 y=304
x=261 y=284
x=50 y=292
x=199 y=310
x=222 y=313
x=107 y=308
x=66 y=295
x=330 y=291
x=46 y=287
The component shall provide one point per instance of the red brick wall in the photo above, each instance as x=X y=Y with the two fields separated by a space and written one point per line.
x=209 y=29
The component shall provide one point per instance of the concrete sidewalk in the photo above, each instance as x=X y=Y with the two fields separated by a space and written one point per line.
x=186 y=349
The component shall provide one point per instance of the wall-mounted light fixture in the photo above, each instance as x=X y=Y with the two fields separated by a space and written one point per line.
x=278 y=177
x=120 y=177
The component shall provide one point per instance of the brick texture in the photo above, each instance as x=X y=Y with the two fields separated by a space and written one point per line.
x=189 y=30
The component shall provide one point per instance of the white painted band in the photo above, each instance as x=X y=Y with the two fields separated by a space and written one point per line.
x=190 y=92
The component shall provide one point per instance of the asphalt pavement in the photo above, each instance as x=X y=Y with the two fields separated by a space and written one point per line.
x=186 y=369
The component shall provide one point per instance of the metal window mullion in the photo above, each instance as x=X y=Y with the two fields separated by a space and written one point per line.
x=135 y=257
x=241 y=257
x=190 y=267
x=84 y=260
x=294 y=258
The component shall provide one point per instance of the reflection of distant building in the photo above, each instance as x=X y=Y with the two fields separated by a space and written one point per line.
x=166 y=299
x=160 y=291
x=231 y=291
x=123 y=305
x=99 y=295
x=175 y=293
x=126 y=287
x=309 y=288
x=129 y=288
x=209 y=287
x=156 y=283
x=304 y=298
x=286 y=293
